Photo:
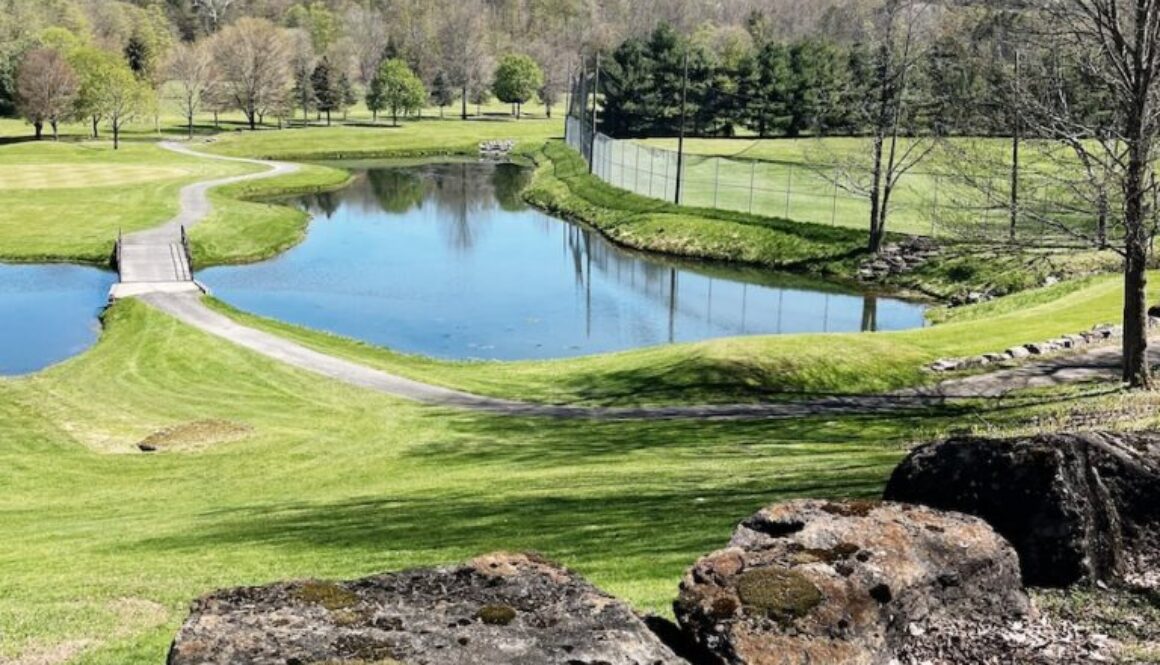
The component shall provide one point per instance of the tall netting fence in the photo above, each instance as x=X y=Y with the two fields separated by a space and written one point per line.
x=947 y=201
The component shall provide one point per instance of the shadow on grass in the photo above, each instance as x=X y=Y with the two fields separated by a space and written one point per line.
x=606 y=526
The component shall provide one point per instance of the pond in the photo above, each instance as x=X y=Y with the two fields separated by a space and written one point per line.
x=50 y=313
x=446 y=260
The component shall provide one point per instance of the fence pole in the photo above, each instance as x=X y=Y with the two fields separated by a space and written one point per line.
x=788 y=189
x=834 y=203
x=716 y=180
x=752 y=179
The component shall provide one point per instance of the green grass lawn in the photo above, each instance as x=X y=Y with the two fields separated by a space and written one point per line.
x=265 y=472
x=67 y=201
x=410 y=139
x=290 y=475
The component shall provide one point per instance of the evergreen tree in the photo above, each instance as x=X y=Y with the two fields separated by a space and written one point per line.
x=442 y=92
x=328 y=94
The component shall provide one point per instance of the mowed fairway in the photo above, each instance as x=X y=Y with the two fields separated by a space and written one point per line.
x=285 y=475
x=67 y=201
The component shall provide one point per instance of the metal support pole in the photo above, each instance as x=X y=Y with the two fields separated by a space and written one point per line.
x=595 y=94
x=681 y=140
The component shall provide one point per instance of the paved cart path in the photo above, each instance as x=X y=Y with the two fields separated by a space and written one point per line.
x=185 y=304
x=156 y=259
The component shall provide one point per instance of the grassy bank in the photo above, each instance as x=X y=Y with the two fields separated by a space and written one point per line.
x=242 y=229
x=563 y=186
x=265 y=472
x=749 y=368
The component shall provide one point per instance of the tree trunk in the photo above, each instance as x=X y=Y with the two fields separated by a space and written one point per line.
x=327 y=117
x=1137 y=372
x=875 y=244
x=548 y=110
x=519 y=110
x=96 y=127
x=217 y=123
x=374 y=116
x=253 y=118
x=395 y=117
x=464 y=101
x=55 y=129
x=116 y=135
x=190 y=125
x=38 y=127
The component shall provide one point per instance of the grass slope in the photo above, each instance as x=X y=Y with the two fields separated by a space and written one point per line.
x=107 y=546
x=749 y=368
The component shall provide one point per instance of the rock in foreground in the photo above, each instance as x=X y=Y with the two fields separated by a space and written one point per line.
x=1075 y=506
x=846 y=583
x=499 y=609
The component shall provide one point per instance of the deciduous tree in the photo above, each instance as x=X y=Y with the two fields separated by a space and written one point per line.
x=517 y=78
x=46 y=87
x=397 y=88
x=252 y=57
x=191 y=69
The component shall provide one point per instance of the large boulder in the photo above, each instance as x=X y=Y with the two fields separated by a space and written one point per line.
x=499 y=609
x=846 y=583
x=1075 y=506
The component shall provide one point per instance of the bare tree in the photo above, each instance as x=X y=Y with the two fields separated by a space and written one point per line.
x=213 y=11
x=124 y=98
x=252 y=57
x=46 y=87
x=191 y=68
x=367 y=30
x=883 y=102
x=1106 y=52
x=466 y=57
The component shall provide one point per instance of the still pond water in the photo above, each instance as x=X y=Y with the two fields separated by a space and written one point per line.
x=49 y=313
x=446 y=260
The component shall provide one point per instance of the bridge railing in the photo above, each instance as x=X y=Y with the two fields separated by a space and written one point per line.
x=117 y=253
x=185 y=247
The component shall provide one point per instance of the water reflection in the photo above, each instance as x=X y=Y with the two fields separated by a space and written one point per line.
x=447 y=260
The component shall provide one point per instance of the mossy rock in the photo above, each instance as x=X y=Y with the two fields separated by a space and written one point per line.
x=778 y=593
x=496 y=615
x=327 y=594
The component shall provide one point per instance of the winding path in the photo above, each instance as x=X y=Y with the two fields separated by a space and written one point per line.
x=181 y=298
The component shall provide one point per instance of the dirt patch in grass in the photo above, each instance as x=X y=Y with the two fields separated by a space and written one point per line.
x=55 y=654
x=194 y=436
